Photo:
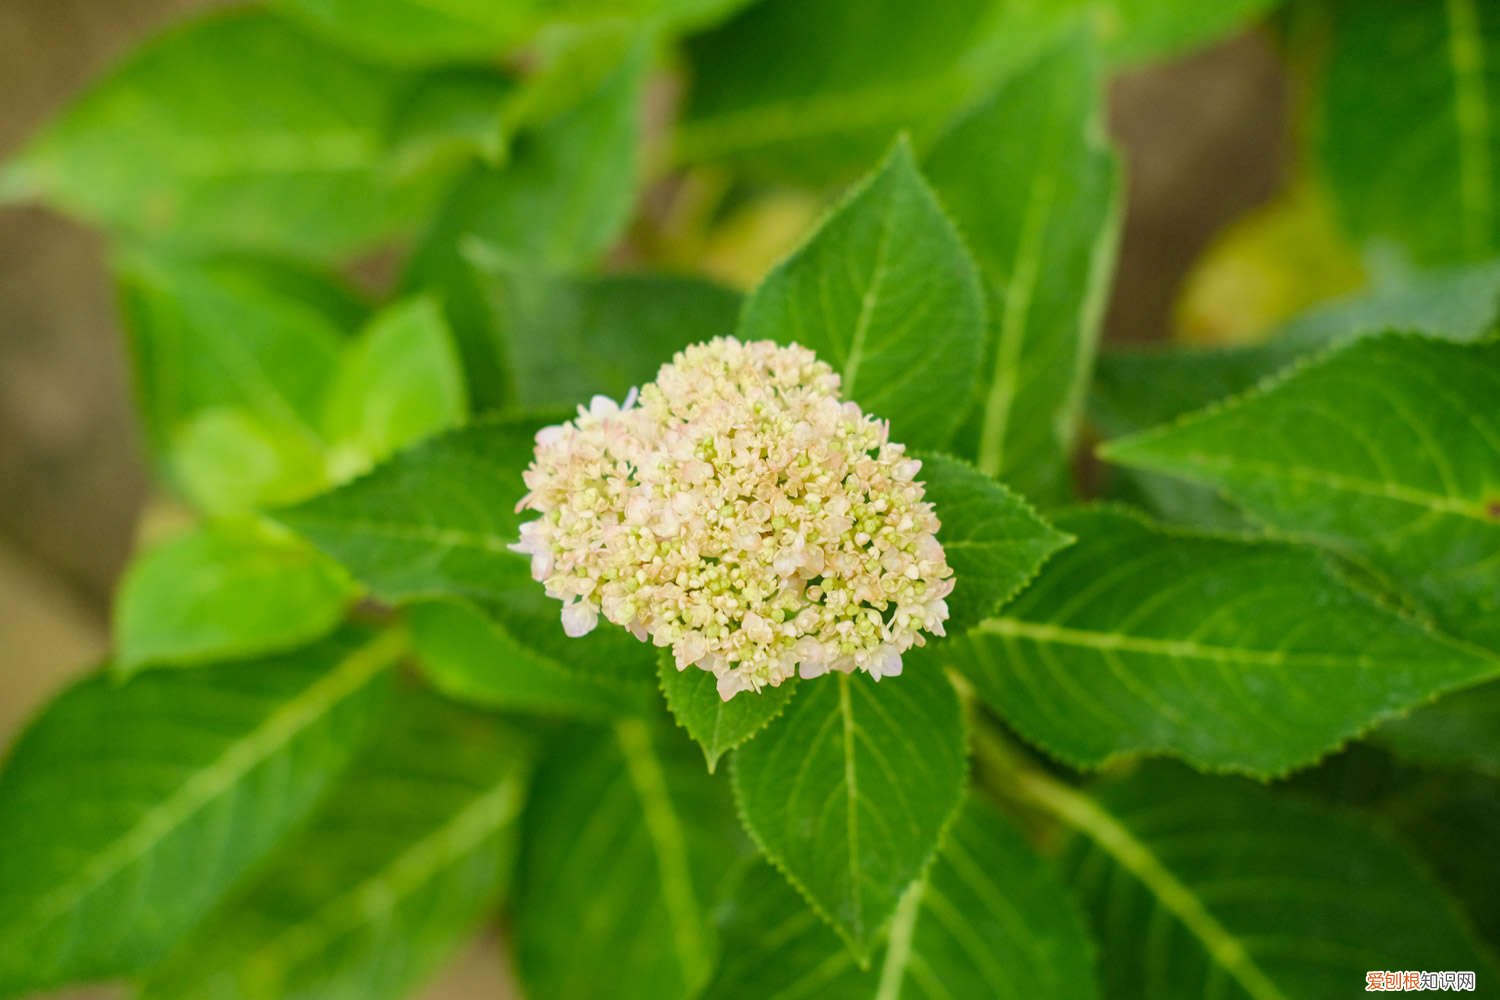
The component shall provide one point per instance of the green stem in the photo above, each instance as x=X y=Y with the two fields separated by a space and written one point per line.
x=1012 y=778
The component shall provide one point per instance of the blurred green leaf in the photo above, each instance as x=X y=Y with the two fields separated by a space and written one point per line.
x=398 y=383
x=563 y=339
x=252 y=393
x=215 y=335
x=451 y=116
x=565 y=193
x=832 y=105
x=480 y=31
x=989 y=917
x=1136 y=389
x=1439 y=813
x=231 y=131
x=626 y=843
x=1030 y=179
x=228 y=461
x=1237 y=655
x=1139 y=388
x=1460 y=730
x=558 y=203
x=1414 y=161
x=232 y=361
x=994 y=541
x=413 y=31
x=1387 y=449
x=716 y=725
x=1198 y=886
x=406 y=855
x=435 y=520
x=886 y=293
x=1135 y=31
x=476 y=658
x=221 y=591
x=127 y=810
x=849 y=790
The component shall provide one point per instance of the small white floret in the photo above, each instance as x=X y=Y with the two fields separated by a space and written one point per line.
x=579 y=619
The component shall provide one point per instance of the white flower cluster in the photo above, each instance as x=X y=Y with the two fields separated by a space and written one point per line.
x=740 y=513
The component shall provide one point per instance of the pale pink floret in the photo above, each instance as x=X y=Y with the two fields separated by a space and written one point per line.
x=740 y=513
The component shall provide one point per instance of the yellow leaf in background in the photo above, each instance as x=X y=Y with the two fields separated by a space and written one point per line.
x=1270 y=264
x=742 y=248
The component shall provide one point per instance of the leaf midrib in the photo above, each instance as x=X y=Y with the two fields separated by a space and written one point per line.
x=1471 y=114
x=275 y=732
x=457 y=538
x=1085 y=815
x=1437 y=503
x=1110 y=642
x=851 y=805
x=1020 y=287
x=275 y=153
x=402 y=877
x=670 y=846
x=898 y=954
x=867 y=304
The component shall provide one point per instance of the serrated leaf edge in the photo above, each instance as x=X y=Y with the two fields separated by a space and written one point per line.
x=861 y=955
x=244 y=754
x=1118 y=757
x=664 y=663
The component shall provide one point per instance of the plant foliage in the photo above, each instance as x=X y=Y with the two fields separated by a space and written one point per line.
x=342 y=727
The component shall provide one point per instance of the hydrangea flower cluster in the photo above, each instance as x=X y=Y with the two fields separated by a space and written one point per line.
x=739 y=512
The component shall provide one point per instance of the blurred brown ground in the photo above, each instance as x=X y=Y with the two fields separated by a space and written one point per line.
x=1205 y=139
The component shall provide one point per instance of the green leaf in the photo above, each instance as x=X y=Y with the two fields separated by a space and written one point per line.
x=229 y=462
x=1439 y=813
x=886 y=293
x=232 y=131
x=1461 y=730
x=417 y=32
x=563 y=339
x=409 y=851
x=223 y=591
x=1137 y=31
x=1235 y=655
x=718 y=726
x=848 y=792
x=226 y=335
x=127 y=810
x=1199 y=886
x=435 y=520
x=476 y=658
x=480 y=31
x=233 y=359
x=832 y=106
x=452 y=116
x=993 y=539
x=1031 y=181
x=565 y=194
x=1135 y=389
x=1415 y=163
x=626 y=843
x=561 y=200
x=399 y=382
x=1387 y=450
x=989 y=916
